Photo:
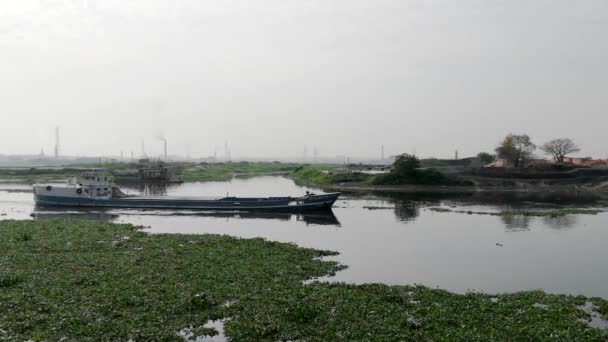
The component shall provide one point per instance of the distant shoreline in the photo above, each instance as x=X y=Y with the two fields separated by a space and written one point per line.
x=459 y=189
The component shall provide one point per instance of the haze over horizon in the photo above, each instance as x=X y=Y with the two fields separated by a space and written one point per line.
x=271 y=77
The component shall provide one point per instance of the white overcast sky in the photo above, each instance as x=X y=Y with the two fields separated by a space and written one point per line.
x=273 y=76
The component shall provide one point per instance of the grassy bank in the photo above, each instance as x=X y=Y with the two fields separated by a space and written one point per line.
x=225 y=171
x=84 y=280
x=325 y=175
x=189 y=172
x=318 y=175
x=38 y=174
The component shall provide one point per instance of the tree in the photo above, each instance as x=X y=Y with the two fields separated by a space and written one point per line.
x=485 y=157
x=405 y=165
x=516 y=149
x=559 y=148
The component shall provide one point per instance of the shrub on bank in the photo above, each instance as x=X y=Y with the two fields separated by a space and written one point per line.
x=406 y=170
x=421 y=177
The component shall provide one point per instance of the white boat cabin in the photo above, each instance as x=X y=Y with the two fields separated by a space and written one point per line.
x=91 y=184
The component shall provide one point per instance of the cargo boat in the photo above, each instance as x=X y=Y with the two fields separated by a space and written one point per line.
x=96 y=189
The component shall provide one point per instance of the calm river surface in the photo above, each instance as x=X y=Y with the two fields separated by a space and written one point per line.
x=394 y=239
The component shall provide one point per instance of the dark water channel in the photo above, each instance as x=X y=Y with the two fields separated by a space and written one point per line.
x=395 y=239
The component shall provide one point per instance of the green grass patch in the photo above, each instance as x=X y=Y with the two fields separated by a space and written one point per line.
x=325 y=175
x=87 y=281
x=190 y=172
x=225 y=171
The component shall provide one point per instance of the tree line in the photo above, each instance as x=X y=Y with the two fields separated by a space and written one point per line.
x=518 y=149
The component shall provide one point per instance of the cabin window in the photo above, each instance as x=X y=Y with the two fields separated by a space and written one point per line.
x=105 y=189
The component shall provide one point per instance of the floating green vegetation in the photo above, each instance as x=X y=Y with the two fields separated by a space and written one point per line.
x=84 y=281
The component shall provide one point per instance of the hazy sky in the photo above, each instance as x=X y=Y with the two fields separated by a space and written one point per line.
x=271 y=76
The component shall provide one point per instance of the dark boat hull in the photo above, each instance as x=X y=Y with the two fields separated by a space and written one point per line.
x=284 y=204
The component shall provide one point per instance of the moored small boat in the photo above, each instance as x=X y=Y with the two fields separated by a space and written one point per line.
x=96 y=189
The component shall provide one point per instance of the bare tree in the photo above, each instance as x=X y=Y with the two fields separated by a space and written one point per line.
x=559 y=148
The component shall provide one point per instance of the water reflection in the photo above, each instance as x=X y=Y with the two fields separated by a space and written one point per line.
x=147 y=189
x=407 y=211
x=561 y=222
x=55 y=213
x=321 y=218
x=407 y=206
x=516 y=223
x=511 y=198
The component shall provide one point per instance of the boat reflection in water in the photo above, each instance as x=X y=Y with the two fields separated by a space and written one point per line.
x=319 y=218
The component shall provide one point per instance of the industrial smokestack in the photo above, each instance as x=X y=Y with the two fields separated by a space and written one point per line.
x=227 y=155
x=161 y=137
x=143 y=149
x=57 y=142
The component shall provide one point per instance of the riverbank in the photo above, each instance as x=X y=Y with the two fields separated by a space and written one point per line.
x=81 y=280
x=587 y=182
x=569 y=191
x=354 y=184
x=189 y=172
x=205 y=172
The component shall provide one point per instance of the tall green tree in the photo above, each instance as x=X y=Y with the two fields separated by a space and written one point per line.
x=485 y=157
x=516 y=149
x=405 y=165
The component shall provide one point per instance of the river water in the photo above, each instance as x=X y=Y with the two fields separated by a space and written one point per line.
x=394 y=239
